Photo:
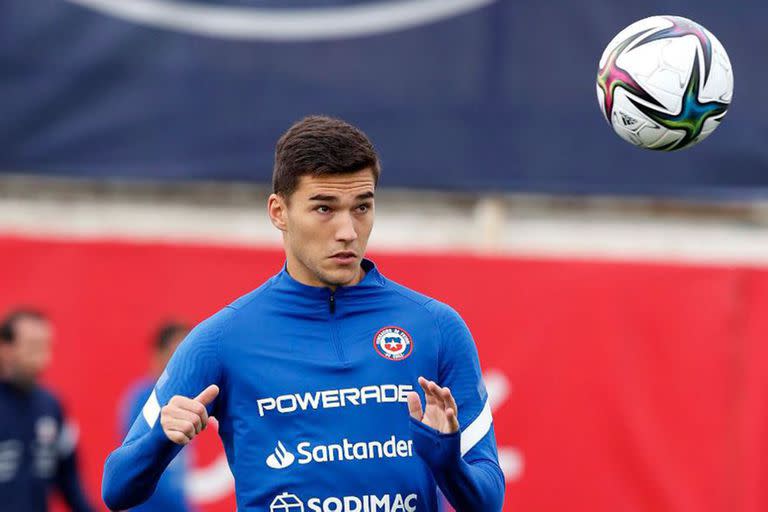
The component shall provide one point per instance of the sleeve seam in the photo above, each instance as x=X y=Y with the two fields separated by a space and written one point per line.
x=253 y=296
x=220 y=341
x=462 y=428
x=433 y=316
x=440 y=349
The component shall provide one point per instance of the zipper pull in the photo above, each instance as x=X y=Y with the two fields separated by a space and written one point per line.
x=332 y=302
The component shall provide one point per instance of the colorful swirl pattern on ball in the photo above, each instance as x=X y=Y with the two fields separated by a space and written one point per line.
x=682 y=27
x=611 y=76
x=693 y=113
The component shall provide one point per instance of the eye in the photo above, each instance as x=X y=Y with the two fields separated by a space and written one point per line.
x=323 y=209
x=363 y=208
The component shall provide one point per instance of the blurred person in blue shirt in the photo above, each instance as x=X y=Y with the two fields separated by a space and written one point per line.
x=37 y=447
x=169 y=495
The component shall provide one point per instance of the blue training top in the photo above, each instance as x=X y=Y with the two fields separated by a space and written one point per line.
x=169 y=495
x=312 y=408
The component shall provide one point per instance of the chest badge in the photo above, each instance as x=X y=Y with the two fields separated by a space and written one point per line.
x=393 y=343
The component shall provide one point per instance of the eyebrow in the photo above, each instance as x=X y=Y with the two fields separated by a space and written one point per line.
x=333 y=199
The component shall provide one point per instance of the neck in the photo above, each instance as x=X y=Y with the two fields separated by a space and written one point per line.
x=17 y=383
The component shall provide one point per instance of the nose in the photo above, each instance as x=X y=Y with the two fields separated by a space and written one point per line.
x=345 y=230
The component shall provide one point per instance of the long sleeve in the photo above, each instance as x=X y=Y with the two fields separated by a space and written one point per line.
x=68 y=483
x=464 y=464
x=132 y=471
x=67 y=477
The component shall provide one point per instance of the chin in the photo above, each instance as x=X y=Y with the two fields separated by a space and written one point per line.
x=341 y=277
x=340 y=280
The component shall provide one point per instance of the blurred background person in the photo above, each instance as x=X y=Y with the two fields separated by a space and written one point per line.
x=37 y=449
x=169 y=495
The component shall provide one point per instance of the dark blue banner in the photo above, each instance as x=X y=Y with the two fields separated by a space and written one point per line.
x=456 y=94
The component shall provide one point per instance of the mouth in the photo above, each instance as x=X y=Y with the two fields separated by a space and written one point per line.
x=344 y=257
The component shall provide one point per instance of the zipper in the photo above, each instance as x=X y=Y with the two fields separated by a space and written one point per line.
x=333 y=330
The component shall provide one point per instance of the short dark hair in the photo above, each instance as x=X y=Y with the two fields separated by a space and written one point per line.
x=321 y=145
x=8 y=324
x=167 y=332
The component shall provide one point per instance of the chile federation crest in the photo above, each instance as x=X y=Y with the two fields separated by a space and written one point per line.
x=393 y=343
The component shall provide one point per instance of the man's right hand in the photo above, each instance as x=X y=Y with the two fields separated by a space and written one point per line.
x=184 y=418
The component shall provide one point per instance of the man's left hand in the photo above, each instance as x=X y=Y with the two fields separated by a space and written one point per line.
x=441 y=413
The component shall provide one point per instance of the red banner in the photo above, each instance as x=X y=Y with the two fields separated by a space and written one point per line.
x=615 y=386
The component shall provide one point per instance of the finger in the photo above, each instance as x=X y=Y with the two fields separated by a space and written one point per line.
x=428 y=395
x=182 y=426
x=196 y=408
x=414 y=406
x=208 y=395
x=451 y=409
x=453 y=421
x=191 y=417
x=213 y=421
x=176 y=437
x=437 y=393
x=450 y=401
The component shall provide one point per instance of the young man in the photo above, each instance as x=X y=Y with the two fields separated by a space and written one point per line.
x=313 y=375
x=169 y=495
x=37 y=452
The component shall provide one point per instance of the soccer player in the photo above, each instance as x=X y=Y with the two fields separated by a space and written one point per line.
x=169 y=496
x=336 y=389
x=37 y=451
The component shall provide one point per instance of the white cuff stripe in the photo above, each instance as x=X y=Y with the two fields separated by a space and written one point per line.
x=151 y=409
x=476 y=430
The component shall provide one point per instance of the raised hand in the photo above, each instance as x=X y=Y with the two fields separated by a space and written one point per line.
x=184 y=418
x=441 y=413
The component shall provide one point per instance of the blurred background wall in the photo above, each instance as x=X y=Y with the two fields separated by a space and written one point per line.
x=616 y=295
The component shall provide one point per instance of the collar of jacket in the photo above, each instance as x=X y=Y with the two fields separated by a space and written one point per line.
x=371 y=283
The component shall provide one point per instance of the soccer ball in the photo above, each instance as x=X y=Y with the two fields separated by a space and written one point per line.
x=664 y=83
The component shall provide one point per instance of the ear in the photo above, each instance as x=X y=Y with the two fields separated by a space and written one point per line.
x=278 y=211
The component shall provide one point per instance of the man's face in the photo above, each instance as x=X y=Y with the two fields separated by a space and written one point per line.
x=326 y=224
x=29 y=354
